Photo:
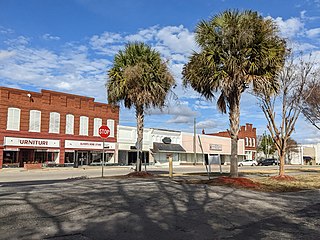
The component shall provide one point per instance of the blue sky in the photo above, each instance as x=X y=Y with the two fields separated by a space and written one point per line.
x=68 y=46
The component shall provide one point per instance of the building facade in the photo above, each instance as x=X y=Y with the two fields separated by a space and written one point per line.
x=249 y=135
x=159 y=144
x=48 y=126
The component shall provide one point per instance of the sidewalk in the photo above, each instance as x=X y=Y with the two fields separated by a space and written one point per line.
x=58 y=173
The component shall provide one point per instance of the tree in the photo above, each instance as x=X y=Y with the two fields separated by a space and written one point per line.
x=267 y=145
x=141 y=80
x=292 y=81
x=236 y=49
x=311 y=101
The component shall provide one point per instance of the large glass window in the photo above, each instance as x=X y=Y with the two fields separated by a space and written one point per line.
x=97 y=123
x=13 y=119
x=54 y=126
x=110 y=124
x=84 y=125
x=35 y=121
x=69 y=124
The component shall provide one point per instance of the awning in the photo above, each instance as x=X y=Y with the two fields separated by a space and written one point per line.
x=170 y=148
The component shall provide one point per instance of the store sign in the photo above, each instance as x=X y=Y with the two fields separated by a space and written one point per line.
x=31 y=142
x=215 y=147
x=83 y=144
x=108 y=145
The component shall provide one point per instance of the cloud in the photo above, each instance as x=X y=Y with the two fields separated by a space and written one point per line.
x=4 y=30
x=47 y=36
x=207 y=124
x=315 y=32
x=177 y=39
x=19 y=41
x=289 y=28
x=4 y=54
x=181 y=120
x=176 y=109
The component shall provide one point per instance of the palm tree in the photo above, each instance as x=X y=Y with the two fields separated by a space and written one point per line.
x=141 y=80
x=237 y=49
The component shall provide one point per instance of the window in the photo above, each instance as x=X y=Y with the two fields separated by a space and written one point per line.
x=97 y=123
x=84 y=123
x=110 y=124
x=250 y=142
x=253 y=142
x=247 y=142
x=69 y=124
x=54 y=125
x=13 y=119
x=35 y=121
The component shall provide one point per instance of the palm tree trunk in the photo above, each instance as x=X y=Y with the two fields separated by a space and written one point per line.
x=234 y=115
x=140 y=123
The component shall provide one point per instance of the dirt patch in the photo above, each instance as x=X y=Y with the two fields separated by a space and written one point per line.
x=283 y=178
x=139 y=175
x=237 y=182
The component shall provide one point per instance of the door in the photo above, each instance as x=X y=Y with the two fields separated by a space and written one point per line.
x=83 y=158
x=26 y=156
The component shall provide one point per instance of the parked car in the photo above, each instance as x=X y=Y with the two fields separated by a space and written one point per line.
x=268 y=162
x=247 y=163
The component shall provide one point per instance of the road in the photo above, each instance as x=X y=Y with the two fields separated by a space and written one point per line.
x=19 y=174
x=157 y=208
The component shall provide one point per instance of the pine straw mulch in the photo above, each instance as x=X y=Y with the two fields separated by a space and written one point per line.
x=284 y=183
x=239 y=182
x=266 y=184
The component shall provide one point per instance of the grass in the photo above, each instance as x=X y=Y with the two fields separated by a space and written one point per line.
x=301 y=182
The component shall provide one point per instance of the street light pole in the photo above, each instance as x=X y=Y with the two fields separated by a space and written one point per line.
x=194 y=142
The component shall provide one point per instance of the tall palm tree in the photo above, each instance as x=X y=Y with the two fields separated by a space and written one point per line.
x=141 y=80
x=237 y=49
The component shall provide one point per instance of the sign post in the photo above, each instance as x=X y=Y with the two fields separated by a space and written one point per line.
x=104 y=133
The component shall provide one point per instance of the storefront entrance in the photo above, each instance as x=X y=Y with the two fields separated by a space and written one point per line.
x=26 y=156
x=132 y=157
x=82 y=157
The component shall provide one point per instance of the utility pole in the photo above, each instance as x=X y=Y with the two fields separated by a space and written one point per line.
x=194 y=142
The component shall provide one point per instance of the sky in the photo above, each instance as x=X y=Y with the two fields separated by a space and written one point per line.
x=69 y=45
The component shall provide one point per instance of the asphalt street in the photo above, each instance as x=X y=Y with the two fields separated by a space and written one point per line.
x=20 y=175
x=158 y=208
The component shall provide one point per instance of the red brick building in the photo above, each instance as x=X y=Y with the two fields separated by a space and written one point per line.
x=54 y=127
x=249 y=135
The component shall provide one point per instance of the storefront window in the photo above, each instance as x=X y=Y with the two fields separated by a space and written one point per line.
x=10 y=159
x=42 y=157
x=69 y=157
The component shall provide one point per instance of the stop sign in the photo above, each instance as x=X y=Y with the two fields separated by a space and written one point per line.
x=104 y=131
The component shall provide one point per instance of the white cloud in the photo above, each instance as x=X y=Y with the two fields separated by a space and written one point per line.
x=177 y=39
x=4 y=54
x=289 y=28
x=19 y=41
x=207 y=124
x=315 y=32
x=302 y=47
x=47 y=36
x=181 y=120
x=4 y=30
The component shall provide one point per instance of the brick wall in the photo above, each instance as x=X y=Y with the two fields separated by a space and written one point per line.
x=50 y=101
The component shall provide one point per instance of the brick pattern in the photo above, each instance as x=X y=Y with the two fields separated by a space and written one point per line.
x=50 y=101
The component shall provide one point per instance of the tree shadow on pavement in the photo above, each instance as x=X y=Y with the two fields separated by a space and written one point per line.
x=151 y=209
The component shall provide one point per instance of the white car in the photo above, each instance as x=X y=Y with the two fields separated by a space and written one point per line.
x=247 y=163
